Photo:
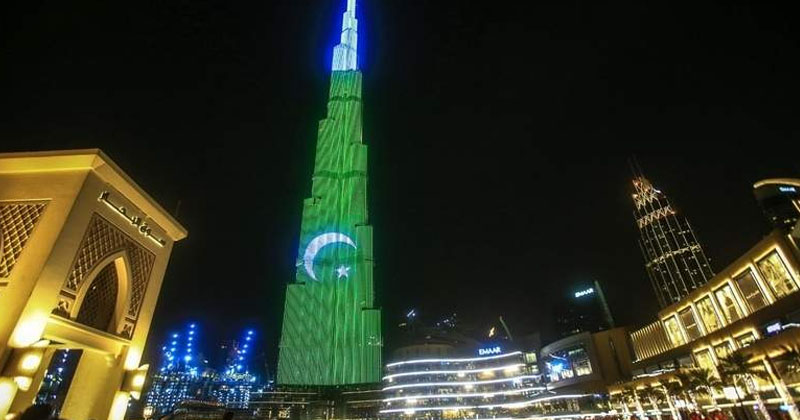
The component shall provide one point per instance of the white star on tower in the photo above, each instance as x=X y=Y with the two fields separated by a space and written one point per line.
x=342 y=271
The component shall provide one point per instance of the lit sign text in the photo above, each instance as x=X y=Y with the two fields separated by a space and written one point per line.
x=137 y=221
x=588 y=291
x=489 y=350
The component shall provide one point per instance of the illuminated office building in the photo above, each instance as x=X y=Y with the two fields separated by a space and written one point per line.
x=674 y=259
x=331 y=328
x=780 y=201
x=185 y=376
x=583 y=309
x=233 y=386
x=488 y=385
x=178 y=378
x=750 y=308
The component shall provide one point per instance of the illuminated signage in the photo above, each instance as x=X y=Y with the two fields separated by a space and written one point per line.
x=137 y=221
x=489 y=350
x=773 y=328
x=787 y=189
x=588 y=291
x=317 y=244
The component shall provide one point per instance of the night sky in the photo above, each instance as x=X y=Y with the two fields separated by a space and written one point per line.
x=499 y=134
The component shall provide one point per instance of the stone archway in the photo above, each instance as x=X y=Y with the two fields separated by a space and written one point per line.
x=104 y=298
x=99 y=303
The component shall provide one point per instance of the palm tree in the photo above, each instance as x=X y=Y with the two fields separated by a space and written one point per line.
x=620 y=399
x=706 y=383
x=791 y=355
x=644 y=396
x=630 y=395
x=687 y=380
x=652 y=395
x=672 y=390
x=791 y=359
x=737 y=368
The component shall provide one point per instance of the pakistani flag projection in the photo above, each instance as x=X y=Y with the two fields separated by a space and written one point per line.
x=331 y=329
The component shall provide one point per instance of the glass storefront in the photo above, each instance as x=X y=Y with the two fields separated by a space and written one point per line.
x=674 y=331
x=569 y=363
x=704 y=360
x=727 y=302
x=774 y=272
x=689 y=323
x=706 y=310
x=750 y=291
x=723 y=350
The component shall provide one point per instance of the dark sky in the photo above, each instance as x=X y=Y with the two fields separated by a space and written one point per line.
x=498 y=134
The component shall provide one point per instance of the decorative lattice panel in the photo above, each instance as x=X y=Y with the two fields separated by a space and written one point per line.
x=98 y=306
x=101 y=240
x=17 y=221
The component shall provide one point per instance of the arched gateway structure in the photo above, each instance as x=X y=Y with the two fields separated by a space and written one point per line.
x=83 y=251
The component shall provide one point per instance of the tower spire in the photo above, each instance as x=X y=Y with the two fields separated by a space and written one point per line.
x=345 y=55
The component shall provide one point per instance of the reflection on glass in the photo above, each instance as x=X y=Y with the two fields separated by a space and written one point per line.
x=689 y=323
x=580 y=361
x=775 y=274
x=723 y=350
x=727 y=302
x=750 y=291
x=704 y=360
x=745 y=340
x=568 y=363
x=674 y=332
x=706 y=310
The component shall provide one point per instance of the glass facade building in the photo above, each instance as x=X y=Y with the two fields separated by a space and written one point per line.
x=331 y=333
x=674 y=259
x=749 y=310
x=481 y=387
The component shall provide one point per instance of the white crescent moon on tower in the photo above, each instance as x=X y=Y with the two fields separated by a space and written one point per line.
x=319 y=242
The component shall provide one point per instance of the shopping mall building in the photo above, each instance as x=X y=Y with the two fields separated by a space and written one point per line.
x=750 y=308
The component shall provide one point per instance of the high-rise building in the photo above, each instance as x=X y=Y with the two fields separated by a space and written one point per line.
x=780 y=201
x=178 y=378
x=583 y=309
x=674 y=259
x=331 y=328
x=184 y=376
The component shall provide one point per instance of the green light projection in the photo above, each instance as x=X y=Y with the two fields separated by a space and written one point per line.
x=331 y=329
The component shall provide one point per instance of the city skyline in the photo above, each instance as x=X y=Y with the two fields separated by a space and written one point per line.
x=503 y=181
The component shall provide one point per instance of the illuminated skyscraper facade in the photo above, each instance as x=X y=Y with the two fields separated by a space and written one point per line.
x=674 y=259
x=331 y=329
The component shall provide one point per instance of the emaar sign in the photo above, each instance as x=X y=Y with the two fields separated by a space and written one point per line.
x=489 y=351
x=588 y=291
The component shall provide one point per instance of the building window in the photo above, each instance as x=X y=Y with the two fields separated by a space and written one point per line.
x=727 y=302
x=569 y=363
x=723 y=350
x=689 y=323
x=580 y=362
x=745 y=340
x=774 y=272
x=706 y=310
x=704 y=360
x=674 y=332
x=750 y=291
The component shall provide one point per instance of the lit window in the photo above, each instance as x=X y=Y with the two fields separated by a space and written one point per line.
x=689 y=323
x=723 y=350
x=674 y=332
x=704 y=360
x=727 y=302
x=706 y=310
x=745 y=340
x=750 y=291
x=776 y=275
